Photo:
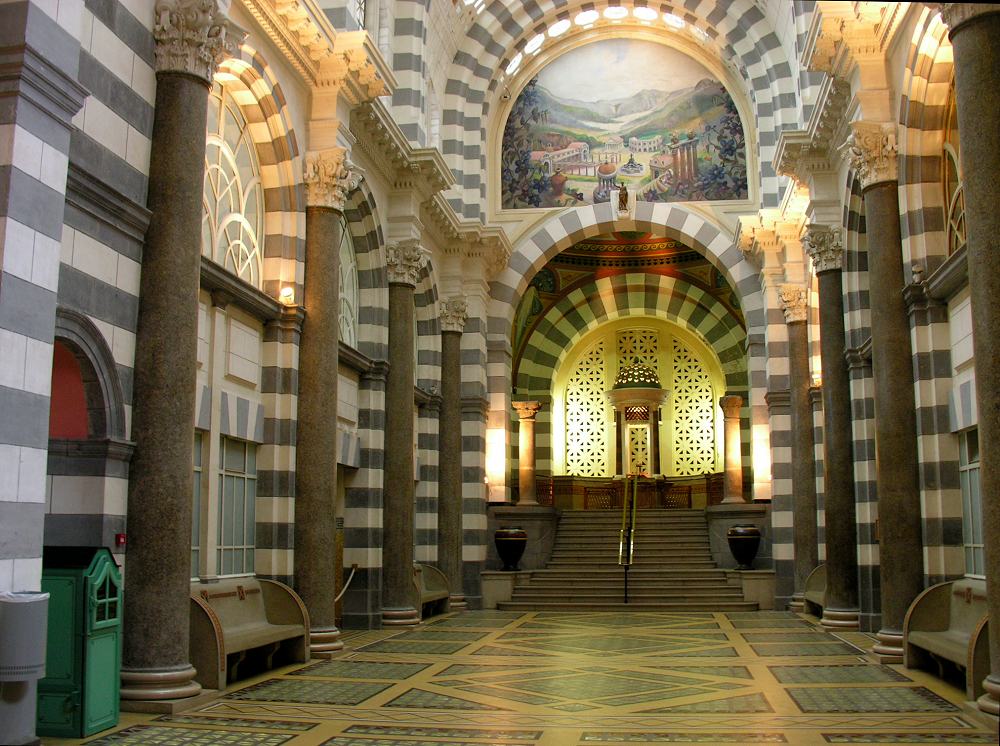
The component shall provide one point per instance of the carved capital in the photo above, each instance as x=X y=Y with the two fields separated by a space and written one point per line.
x=526 y=410
x=731 y=406
x=329 y=177
x=194 y=36
x=955 y=14
x=794 y=303
x=404 y=260
x=822 y=244
x=872 y=150
x=454 y=313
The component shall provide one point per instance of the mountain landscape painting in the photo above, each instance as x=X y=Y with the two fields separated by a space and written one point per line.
x=622 y=112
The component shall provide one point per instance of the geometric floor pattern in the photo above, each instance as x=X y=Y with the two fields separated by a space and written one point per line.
x=546 y=679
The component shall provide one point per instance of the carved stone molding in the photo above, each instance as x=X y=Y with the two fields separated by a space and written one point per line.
x=955 y=14
x=454 y=313
x=823 y=245
x=404 y=261
x=194 y=36
x=526 y=410
x=872 y=150
x=731 y=406
x=794 y=303
x=329 y=177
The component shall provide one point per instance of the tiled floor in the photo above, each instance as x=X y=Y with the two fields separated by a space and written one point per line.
x=547 y=679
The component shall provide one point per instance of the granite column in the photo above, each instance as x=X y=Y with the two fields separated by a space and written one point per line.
x=794 y=304
x=453 y=315
x=974 y=30
x=901 y=572
x=526 y=411
x=841 y=610
x=733 y=488
x=328 y=179
x=155 y=658
x=404 y=261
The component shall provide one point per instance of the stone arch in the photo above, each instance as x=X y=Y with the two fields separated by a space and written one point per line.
x=256 y=88
x=740 y=29
x=102 y=387
x=425 y=300
x=365 y=225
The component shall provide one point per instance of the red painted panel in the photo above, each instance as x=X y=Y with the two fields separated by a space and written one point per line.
x=68 y=409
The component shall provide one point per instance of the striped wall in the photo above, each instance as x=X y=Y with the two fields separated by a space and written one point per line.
x=739 y=29
x=409 y=38
x=428 y=371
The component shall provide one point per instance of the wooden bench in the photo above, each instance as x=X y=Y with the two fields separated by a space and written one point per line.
x=950 y=622
x=432 y=589
x=814 y=594
x=233 y=618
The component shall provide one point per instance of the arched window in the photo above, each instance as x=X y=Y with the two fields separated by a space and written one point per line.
x=348 y=287
x=233 y=218
x=951 y=179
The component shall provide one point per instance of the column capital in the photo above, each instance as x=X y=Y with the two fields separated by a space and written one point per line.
x=329 y=177
x=731 y=405
x=404 y=261
x=526 y=410
x=194 y=36
x=823 y=245
x=794 y=302
x=454 y=313
x=871 y=148
x=956 y=14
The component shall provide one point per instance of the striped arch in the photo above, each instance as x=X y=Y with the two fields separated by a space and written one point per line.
x=611 y=298
x=428 y=369
x=365 y=225
x=739 y=29
x=255 y=87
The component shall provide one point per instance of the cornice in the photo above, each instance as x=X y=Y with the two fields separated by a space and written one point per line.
x=801 y=152
x=228 y=288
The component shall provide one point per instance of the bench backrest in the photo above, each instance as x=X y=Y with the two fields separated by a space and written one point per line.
x=967 y=604
x=429 y=578
x=236 y=602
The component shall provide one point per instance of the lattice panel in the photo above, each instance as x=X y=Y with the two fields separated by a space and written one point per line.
x=694 y=414
x=586 y=426
x=638 y=346
x=638 y=449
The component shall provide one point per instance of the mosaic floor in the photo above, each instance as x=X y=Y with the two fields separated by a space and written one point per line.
x=548 y=679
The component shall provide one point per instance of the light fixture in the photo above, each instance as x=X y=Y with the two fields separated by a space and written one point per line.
x=645 y=14
x=615 y=12
x=586 y=18
x=535 y=44
x=287 y=296
x=676 y=21
x=514 y=63
x=559 y=27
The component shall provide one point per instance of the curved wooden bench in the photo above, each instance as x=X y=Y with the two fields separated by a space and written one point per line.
x=950 y=621
x=432 y=589
x=233 y=617
x=814 y=593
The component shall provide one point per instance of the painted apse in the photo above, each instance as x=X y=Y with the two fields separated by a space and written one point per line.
x=622 y=112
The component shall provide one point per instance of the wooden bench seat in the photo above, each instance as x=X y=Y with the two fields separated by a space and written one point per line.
x=949 y=622
x=242 y=618
x=814 y=593
x=432 y=590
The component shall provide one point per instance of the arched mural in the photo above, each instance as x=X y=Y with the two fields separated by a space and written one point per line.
x=622 y=112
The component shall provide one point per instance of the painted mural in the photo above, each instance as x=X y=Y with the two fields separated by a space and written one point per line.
x=622 y=112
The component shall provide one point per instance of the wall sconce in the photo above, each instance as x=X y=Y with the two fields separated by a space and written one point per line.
x=287 y=296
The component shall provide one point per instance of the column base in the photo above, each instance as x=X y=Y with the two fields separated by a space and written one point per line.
x=324 y=642
x=400 y=617
x=889 y=648
x=989 y=702
x=797 y=604
x=457 y=602
x=154 y=684
x=844 y=619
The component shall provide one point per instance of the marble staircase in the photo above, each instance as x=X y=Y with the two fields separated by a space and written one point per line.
x=672 y=568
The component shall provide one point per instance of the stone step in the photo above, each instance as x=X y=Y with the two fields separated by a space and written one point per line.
x=608 y=570
x=650 y=564
x=620 y=606
x=524 y=592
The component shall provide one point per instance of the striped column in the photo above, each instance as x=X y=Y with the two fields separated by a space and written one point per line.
x=873 y=157
x=795 y=306
x=192 y=38
x=404 y=262
x=328 y=178
x=454 y=313
x=974 y=30
x=841 y=610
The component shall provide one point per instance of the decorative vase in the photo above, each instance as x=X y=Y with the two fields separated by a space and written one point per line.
x=510 y=542
x=744 y=541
